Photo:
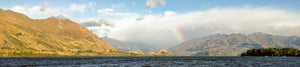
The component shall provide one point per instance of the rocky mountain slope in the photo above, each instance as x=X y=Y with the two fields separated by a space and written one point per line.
x=19 y=33
x=233 y=44
x=121 y=46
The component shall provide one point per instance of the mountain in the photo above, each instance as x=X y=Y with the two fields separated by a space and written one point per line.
x=164 y=53
x=120 y=45
x=126 y=47
x=161 y=52
x=233 y=44
x=19 y=34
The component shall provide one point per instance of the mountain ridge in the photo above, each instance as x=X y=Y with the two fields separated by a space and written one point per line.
x=19 y=33
x=233 y=44
x=120 y=45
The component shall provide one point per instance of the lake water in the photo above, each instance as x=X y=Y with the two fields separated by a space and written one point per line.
x=178 y=61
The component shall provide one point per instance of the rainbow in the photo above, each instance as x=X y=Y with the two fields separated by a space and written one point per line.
x=178 y=34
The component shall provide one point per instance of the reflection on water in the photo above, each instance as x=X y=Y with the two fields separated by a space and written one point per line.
x=184 y=61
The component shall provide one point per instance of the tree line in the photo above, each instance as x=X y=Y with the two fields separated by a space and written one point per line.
x=272 y=52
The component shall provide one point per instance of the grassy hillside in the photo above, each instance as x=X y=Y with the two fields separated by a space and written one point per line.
x=20 y=35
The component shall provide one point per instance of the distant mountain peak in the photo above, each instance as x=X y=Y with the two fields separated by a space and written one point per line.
x=233 y=44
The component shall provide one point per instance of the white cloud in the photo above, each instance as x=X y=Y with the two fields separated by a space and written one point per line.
x=97 y=22
x=169 y=13
x=106 y=10
x=155 y=3
x=117 y=5
x=45 y=5
x=99 y=26
x=36 y=12
x=110 y=12
x=61 y=16
x=46 y=10
x=156 y=30
x=77 y=7
x=133 y=4
x=91 y=5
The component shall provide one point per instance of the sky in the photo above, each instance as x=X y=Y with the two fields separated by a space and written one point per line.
x=166 y=23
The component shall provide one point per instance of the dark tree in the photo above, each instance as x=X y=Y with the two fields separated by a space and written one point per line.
x=272 y=52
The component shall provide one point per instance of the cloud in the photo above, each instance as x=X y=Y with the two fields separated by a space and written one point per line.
x=155 y=3
x=110 y=12
x=36 y=12
x=98 y=22
x=133 y=4
x=156 y=30
x=61 y=16
x=117 y=5
x=91 y=5
x=99 y=26
x=76 y=7
x=45 y=5
x=47 y=9
x=169 y=13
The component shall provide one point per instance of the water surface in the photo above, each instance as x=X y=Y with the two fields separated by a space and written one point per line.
x=169 y=61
